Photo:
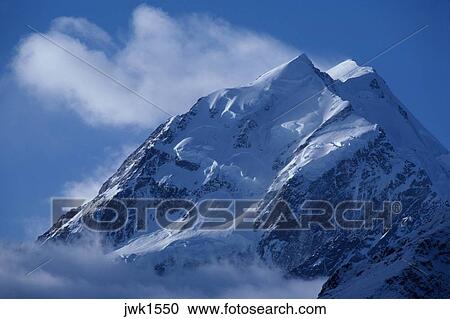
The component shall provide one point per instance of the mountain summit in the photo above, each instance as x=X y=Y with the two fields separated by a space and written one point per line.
x=296 y=133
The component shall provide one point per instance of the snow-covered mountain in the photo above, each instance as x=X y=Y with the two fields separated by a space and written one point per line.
x=295 y=133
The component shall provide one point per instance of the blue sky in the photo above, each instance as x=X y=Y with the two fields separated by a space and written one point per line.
x=54 y=144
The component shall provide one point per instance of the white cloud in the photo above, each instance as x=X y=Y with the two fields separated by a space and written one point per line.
x=86 y=188
x=171 y=61
x=84 y=272
x=82 y=28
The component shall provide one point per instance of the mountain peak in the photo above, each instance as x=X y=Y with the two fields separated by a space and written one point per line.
x=294 y=69
x=300 y=59
x=289 y=136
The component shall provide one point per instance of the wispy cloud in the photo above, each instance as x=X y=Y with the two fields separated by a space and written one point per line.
x=171 y=61
x=84 y=272
x=82 y=29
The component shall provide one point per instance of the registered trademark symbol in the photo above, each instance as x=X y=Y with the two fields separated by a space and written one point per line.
x=396 y=207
